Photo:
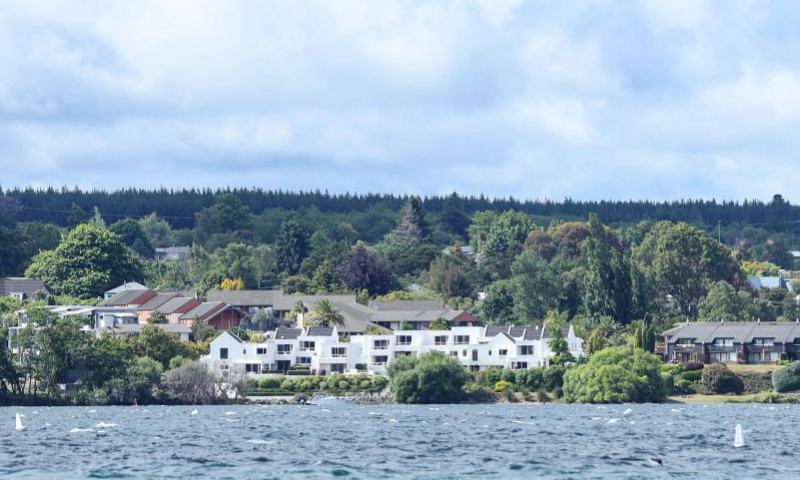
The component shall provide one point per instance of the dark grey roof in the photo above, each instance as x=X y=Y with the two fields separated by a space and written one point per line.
x=533 y=333
x=740 y=332
x=157 y=301
x=406 y=305
x=202 y=309
x=174 y=304
x=124 y=297
x=286 y=302
x=320 y=331
x=516 y=332
x=288 y=333
x=168 y=327
x=245 y=298
x=492 y=330
x=17 y=285
x=546 y=332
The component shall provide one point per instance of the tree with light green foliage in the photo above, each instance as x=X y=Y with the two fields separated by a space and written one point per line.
x=723 y=302
x=432 y=377
x=616 y=375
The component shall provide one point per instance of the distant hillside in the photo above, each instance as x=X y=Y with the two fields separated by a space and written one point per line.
x=180 y=206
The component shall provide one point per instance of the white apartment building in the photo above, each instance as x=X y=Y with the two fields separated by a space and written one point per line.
x=477 y=348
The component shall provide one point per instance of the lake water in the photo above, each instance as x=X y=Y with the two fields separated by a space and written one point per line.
x=401 y=442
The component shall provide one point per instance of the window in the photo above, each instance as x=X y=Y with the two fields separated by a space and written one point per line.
x=685 y=341
x=526 y=350
x=764 y=342
x=386 y=325
x=440 y=340
x=380 y=360
x=284 y=349
x=502 y=353
x=261 y=351
x=464 y=352
x=722 y=357
x=521 y=365
x=475 y=355
x=306 y=346
x=223 y=353
x=304 y=360
x=723 y=342
x=337 y=367
x=454 y=353
x=402 y=354
x=403 y=339
x=338 y=352
x=244 y=351
x=252 y=368
x=490 y=353
x=381 y=344
x=462 y=340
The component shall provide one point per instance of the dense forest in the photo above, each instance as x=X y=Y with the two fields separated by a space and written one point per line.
x=600 y=265
x=179 y=207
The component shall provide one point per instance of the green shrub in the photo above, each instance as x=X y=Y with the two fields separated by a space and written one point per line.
x=672 y=368
x=287 y=385
x=786 y=378
x=343 y=385
x=503 y=386
x=669 y=383
x=541 y=396
x=366 y=385
x=616 y=375
x=379 y=382
x=756 y=382
x=430 y=378
x=307 y=386
x=717 y=378
x=684 y=387
x=691 y=375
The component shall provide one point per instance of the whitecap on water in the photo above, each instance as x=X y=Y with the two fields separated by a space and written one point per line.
x=230 y=413
x=597 y=418
x=260 y=442
x=627 y=412
x=92 y=411
x=394 y=420
x=613 y=420
x=81 y=430
x=105 y=425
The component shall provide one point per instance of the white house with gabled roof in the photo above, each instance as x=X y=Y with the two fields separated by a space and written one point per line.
x=477 y=348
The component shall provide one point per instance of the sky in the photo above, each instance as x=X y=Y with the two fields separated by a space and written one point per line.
x=589 y=99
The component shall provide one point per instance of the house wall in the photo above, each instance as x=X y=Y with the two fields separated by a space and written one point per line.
x=377 y=351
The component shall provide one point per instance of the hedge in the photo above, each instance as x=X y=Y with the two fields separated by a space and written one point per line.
x=786 y=378
x=691 y=375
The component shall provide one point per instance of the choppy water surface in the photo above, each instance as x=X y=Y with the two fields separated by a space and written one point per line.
x=401 y=442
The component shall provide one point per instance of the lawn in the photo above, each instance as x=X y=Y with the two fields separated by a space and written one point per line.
x=705 y=399
x=740 y=368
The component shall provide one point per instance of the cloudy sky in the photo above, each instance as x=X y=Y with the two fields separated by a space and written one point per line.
x=588 y=99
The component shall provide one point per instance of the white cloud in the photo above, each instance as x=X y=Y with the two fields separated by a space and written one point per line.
x=506 y=97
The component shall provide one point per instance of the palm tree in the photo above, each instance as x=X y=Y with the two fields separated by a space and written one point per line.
x=326 y=313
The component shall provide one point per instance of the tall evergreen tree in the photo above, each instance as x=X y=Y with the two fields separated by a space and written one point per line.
x=291 y=247
x=607 y=283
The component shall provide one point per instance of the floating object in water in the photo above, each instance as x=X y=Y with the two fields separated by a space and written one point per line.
x=194 y=412
x=738 y=439
x=18 y=423
x=627 y=412
x=613 y=420
x=105 y=425
x=81 y=430
x=655 y=461
x=135 y=402
x=174 y=456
